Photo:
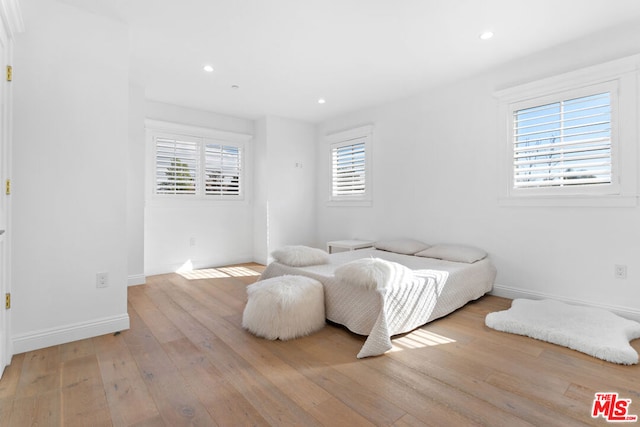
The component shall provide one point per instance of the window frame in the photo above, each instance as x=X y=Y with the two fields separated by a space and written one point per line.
x=202 y=137
x=619 y=78
x=612 y=188
x=362 y=134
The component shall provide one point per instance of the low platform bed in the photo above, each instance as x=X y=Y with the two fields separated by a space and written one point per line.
x=436 y=288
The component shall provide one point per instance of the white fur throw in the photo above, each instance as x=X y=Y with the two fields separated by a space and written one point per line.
x=284 y=307
x=593 y=331
x=373 y=273
x=300 y=256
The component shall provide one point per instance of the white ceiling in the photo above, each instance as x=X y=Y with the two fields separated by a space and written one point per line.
x=285 y=54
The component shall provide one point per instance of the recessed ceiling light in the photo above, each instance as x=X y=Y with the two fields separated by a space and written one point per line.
x=208 y=68
x=321 y=101
x=486 y=35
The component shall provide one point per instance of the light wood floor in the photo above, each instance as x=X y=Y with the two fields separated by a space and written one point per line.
x=187 y=361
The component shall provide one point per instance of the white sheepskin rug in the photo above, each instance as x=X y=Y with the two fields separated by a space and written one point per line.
x=596 y=332
x=284 y=307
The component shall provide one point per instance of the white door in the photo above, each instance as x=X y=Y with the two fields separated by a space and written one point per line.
x=10 y=24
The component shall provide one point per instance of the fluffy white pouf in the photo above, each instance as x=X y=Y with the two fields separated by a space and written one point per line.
x=284 y=307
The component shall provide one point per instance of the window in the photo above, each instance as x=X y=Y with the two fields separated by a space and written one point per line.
x=565 y=135
x=223 y=167
x=176 y=166
x=563 y=143
x=193 y=163
x=350 y=166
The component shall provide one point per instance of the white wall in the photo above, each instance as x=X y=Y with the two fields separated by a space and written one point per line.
x=135 y=185
x=291 y=149
x=285 y=185
x=435 y=178
x=222 y=232
x=69 y=175
x=189 y=116
x=260 y=194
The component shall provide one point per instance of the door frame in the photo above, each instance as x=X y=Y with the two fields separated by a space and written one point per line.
x=10 y=24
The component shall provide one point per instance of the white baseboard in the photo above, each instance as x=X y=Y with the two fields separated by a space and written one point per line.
x=513 y=293
x=55 y=336
x=136 y=279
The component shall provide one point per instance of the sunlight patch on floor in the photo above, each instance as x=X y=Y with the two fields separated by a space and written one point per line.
x=419 y=339
x=205 y=273
x=239 y=271
x=216 y=273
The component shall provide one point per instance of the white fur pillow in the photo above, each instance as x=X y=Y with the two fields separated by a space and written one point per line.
x=300 y=256
x=373 y=273
x=401 y=246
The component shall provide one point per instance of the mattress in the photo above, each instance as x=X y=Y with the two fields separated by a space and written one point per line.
x=438 y=288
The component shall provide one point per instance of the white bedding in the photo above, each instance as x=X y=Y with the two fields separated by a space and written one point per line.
x=438 y=288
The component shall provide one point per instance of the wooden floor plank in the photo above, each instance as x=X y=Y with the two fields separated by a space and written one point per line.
x=6 y=408
x=40 y=372
x=187 y=361
x=176 y=403
x=226 y=405
x=255 y=352
x=273 y=404
x=163 y=329
x=382 y=373
x=445 y=370
x=76 y=349
x=334 y=412
x=83 y=396
x=155 y=421
x=11 y=377
x=40 y=409
x=129 y=399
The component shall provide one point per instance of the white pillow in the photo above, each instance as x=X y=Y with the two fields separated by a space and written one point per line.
x=300 y=256
x=456 y=253
x=373 y=273
x=401 y=246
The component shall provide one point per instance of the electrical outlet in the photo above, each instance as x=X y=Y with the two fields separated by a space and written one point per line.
x=102 y=280
x=620 y=271
x=192 y=241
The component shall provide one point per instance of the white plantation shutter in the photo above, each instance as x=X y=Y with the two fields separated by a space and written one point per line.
x=349 y=168
x=564 y=143
x=177 y=164
x=223 y=168
x=350 y=154
x=189 y=166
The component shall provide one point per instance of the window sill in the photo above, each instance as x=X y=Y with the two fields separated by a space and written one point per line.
x=173 y=202
x=349 y=203
x=570 y=201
